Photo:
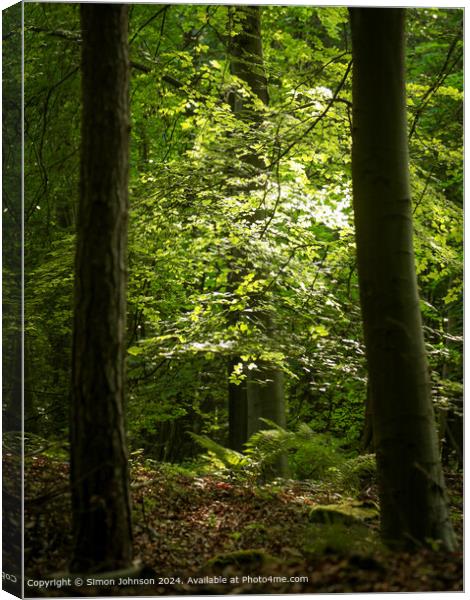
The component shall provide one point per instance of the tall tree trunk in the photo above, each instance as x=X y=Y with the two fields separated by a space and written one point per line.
x=412 y=490
x=262 y=395
x=99 y=469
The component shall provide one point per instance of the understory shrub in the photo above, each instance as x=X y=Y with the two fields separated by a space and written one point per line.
x=354 y=474
x=310 y=455
x=224 y=462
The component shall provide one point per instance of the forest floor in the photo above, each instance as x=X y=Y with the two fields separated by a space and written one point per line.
x=191 y=532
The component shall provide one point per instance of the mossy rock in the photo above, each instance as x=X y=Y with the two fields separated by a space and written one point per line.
x=241 y=558
x=345 y=514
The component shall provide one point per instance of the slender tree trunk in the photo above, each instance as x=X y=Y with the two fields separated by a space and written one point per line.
x=237 y=411
x=262 y=395
x=412 y=490
x=99 y=469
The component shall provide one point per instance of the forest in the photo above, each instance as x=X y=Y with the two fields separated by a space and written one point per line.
x=242 y=366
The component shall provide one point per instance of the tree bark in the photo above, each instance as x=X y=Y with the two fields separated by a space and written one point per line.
x=412 y=490
x=262 y=395
x=99 y=467
x=246 y=56
x=237 y=411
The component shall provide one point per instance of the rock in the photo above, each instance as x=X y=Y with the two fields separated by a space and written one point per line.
x=346 y=514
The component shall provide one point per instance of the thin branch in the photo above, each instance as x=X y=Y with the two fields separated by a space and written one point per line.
x=71 y=36
x=276 y=204
x=441 y=77
x=162 y=27
x=282 y=267
x=166 y=78
x=147 y=22
x=76 y=37
x=320 y=117
x=425 y=188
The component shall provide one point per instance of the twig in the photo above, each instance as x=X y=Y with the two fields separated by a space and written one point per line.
x=320 y=117
x=147 y=22
x=441 y=77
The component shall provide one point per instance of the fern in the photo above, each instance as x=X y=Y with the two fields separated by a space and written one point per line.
x=358 y=472
x=266 y=445
x=310 y=455
x=226 y=461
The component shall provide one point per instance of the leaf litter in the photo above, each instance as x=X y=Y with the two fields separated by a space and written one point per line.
x=204 y=528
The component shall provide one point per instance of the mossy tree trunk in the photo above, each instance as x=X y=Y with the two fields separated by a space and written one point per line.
x=412 y=491
x=99 y=465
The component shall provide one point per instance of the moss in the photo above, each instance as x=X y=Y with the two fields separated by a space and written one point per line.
x=346 y=514
x=242 y=558
x=338 y=538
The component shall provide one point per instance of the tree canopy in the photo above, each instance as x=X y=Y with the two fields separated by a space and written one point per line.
x=189 y=215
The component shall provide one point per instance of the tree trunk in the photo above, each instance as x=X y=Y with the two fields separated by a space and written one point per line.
x=412 y=491
x=262 y=395
x=99 y=469
x=246 y=56
x=237 y=411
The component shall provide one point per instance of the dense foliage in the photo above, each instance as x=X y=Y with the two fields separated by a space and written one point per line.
x=192 y=225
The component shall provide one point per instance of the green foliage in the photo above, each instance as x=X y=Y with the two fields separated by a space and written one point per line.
x=35 y=446
x=201 y=219
x=354 y=474
x=172 y=471
x=226 y=462
x=310 y=455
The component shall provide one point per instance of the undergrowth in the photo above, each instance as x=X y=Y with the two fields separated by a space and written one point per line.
x=310 y=456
